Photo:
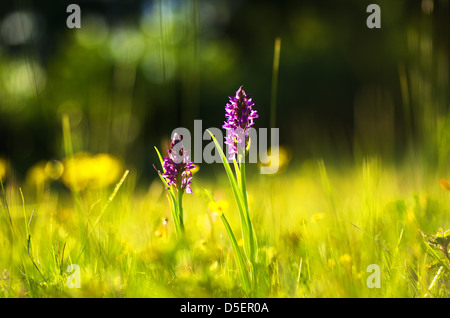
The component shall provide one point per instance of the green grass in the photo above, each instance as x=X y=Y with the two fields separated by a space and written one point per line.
x=318 y=229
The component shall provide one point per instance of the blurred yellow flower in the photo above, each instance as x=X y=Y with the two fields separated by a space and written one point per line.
x=445 y=184
x=36 y=174
x=95 y=172
x=214 y=266
x=282 y=161
x=331 y=262
x=160 y=232
x=54 y=169
x=318 y=217
x=271 y=254
x=62 y=232
x=44 y=171
x=4 y=167
x=218 y=206
x=195 y=169
x=345 y=259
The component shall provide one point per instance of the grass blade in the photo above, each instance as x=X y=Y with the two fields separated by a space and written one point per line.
x=276 y=67
x=231 y=178
x=251 y=243
x=236 y=191
x=237 y=254
x=236 y=250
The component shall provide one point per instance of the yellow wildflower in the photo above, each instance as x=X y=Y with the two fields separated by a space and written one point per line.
x=318 y=217
x=218 y=206
x=53 y=169
x=281 y=161
x=86 y=171
x=36 y=174
x=160 y=231
x=445 y=184
x=44 y=171
x=195 y=169
x=271 y=254
x=214 y=266
x=345 y=259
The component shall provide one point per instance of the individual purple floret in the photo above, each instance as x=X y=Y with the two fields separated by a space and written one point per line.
x=240 y=116
x=177 y=167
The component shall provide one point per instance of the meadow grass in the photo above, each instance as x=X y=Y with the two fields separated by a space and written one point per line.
x=318 y=229
x=318 y=225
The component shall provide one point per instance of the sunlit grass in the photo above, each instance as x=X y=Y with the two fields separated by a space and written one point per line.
x=315 y=241
x=318 y=225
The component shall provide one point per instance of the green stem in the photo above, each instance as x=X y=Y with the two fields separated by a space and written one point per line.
x=174 y=210
x=251 y=233
x=276 y=66
x=231 y=178
x=244 y=188
x=180 y=211
x=6 y=207
x=238 y=255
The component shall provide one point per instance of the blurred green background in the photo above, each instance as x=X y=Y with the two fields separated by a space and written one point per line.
x=136 y=70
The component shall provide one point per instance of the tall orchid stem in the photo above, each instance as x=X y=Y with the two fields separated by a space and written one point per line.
x=244 y=187
x=251 y=238
x=180 y=210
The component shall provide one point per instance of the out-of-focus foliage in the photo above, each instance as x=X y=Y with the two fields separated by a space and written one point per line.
x=95 y=172
x=136 y=70
x=43 y=172
x=364 y=123
x=4 y=166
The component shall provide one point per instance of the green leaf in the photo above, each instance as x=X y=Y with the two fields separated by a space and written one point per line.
x=238 y=172
x=240 y=194
x=171 y=190
x=231 y=178
x=208 y=195
x=160 y=159
x=238 y=255
x=430 y=251
x=237 y=191
x=236 y=250
x=174 y=210
x=251 y=242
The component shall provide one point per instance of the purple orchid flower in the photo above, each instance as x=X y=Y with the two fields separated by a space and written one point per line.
x=177 y=166
x=240 y=116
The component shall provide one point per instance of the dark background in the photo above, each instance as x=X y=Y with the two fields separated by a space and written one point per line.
x=339 y=88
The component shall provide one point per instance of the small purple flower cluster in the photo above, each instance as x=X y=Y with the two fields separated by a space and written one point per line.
x=239 y=118
x=177 y=166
